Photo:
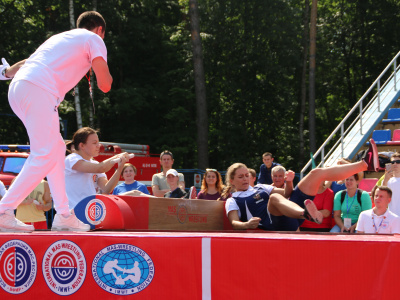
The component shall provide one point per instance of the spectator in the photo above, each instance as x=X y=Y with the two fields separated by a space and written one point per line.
x=252 y=176
x=392 y=180
x=211 y=186
x=31 y=210
x=39 y=85
x=265 y=169
x=324 y=203
x=348 y=204
x=278 y=177
x=2 y=189
x=175 y=190
x=83 y=174
x=379 y=219
x=263 y=205
x=159 y=181
x=128 y=173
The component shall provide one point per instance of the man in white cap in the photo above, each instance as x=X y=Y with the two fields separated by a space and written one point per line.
x=159 y=183
x=173 y=182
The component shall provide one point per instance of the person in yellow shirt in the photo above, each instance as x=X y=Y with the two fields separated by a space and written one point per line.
x=31 y=210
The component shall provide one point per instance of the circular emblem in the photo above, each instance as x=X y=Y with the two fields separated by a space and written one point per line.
x=95 y=211
x=64 y=267
x=122 y=269
x=182 y=213
x=18 y=267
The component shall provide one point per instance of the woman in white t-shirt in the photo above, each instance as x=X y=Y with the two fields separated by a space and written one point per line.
x=85 y=176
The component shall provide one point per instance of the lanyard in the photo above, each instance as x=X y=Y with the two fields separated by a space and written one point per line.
x=347 y=203
x=373 y=223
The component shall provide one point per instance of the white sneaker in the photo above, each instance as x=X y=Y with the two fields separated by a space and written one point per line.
x=8 y=223
x=71 y=223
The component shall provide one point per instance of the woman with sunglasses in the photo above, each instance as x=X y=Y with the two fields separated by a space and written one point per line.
x=211 y=187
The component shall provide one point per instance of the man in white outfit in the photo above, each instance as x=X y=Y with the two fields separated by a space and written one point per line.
x=39 y=85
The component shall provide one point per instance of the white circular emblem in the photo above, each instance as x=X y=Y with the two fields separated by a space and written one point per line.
x=95 y=211
x=18 y=267
x=122 y=269
x=64 y=267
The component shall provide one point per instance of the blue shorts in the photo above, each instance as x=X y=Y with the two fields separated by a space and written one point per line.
x=283 y=223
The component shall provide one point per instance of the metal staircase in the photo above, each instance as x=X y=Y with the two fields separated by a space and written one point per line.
x=363 y=118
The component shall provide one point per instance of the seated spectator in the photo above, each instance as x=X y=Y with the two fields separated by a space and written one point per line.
x=263 y=205
x=380 y=219
x=278 y=177
x=173 y=182
x=31 y=210
x=128 y=173
x=211 y=186
x=324 y=202
x=252 y=177
x=159 y=181
x=348 y=204
x=265 y=169
x=392 y=180
x=83 y=174
x=2 y=189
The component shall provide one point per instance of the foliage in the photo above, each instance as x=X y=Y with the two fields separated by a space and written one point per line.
x=252 y=58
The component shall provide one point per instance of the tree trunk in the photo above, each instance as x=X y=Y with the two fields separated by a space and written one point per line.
x=76 y=89
x=200 y=89
x=311 y=98
x=304 y=81
x=92 y=109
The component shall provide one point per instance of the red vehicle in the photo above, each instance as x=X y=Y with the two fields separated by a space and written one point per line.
x=13 y=157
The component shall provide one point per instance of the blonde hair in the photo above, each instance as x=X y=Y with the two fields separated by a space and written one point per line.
x=230 y=174
x=218 y=184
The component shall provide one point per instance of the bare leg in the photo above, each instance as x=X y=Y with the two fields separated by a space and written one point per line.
x=309 y=185
x=279 y=205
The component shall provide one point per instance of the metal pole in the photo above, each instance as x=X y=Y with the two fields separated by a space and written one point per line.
x=379 y=95
x=341 y=138
x=394 y=76
x=361 y=132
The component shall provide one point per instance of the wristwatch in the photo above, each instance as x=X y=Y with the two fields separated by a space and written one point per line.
x=4 y=72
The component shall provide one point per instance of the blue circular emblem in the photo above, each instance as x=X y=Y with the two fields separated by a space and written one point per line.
x=122 y=269
x=64 y=267
x=95 y=211
x=18 y=266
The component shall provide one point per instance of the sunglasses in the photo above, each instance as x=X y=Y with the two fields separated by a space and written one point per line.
x=211 y=170
x=395 y=162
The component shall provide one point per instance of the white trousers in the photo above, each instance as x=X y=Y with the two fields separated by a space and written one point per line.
x=38 y=110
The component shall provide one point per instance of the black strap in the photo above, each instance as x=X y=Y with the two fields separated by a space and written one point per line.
x=343 y=195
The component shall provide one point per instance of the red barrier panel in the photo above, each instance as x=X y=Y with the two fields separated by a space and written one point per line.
x=110 y=265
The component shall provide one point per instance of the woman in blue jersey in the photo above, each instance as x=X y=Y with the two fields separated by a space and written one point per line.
x=263 y=206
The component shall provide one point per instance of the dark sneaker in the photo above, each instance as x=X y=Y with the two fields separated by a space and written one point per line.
x=371 y=157
x=311 y=213
x=193 y=193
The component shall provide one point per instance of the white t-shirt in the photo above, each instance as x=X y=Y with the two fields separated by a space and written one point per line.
x=79 y=185
x=394 y=205
x=61 y=61
x=2 y=189
x=386 y=223
x=231 y=204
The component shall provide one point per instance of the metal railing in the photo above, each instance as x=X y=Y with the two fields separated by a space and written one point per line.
x=359 y=105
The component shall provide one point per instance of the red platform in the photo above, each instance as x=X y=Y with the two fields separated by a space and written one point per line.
x=210 y=265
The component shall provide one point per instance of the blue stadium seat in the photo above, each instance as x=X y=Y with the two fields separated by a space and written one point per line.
x=381 y=137
x=393 y=116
